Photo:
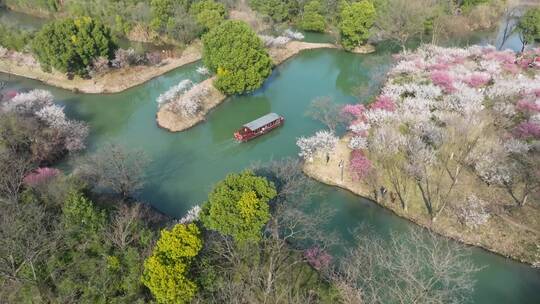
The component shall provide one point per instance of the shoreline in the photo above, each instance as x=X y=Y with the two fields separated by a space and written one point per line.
x=115 y=81
x=172 y=122
x=492 y=239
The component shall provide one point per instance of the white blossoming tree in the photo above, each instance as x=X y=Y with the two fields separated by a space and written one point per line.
x=450 y=118
x=322 y=143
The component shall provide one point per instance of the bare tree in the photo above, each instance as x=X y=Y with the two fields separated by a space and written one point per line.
x=25 y=238
x=124 y=225
x=418 y=267
x=268 y=272
x=325 y=110
x=115 y=168
x=290 y=221
x=14 y=169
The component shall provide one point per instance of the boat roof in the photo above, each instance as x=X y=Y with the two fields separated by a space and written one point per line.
x=262 y=121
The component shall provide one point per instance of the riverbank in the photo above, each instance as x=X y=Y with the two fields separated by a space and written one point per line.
x=117 y=80
x=502 y=234
x=174 y=122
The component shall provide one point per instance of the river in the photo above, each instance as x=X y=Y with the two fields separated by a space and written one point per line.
x=185 y=165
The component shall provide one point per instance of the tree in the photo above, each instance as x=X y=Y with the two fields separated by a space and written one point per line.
x=80 y=218
x=356 y=20
x=325 y=110
x=163 y=12
x=323 y=142
x=25 y=241
x=70 y=45
x=401 y=20
x=528 y=27
x=278 y=10
x=209 y=13
x=236 y=54
x=238 y=206
x=418 y=267
x=182 y=26
x=312 y=20
x=166 y=271
x=115 y=168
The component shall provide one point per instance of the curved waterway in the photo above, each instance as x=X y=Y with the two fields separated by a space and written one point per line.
x=186 y=165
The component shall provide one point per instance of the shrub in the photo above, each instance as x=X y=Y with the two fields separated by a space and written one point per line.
x=236 y=54
x=70 y=45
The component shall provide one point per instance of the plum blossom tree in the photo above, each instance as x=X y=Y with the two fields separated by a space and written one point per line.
x=40 y=105
x=274 y=42
x=473 y=212
x=174 y=91
x=318 y=258
x=190 y=103
x=294 y=35
x=191 y=216
x=359 y=165
x=321 y=143
x=40 y=176
x=358 y=143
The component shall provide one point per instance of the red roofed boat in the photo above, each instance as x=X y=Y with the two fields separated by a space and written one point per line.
x=258 y=127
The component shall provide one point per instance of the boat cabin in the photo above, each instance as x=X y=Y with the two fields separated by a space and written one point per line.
x=259 y=126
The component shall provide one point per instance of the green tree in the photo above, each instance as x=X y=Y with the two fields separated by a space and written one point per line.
x=209 y=13
x=238 y=206
x=236 y=54
x=70 y=45
x=80 y=218
x=166 y=270
x=355 y=23
x=528 y=27
x=278 y=10
x=312 y=20
x=163 y=12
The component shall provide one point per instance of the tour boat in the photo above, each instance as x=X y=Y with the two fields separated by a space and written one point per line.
x=258 y=127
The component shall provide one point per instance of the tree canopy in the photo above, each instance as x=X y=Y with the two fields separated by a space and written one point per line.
x=238 y=206
x=70 y=45
x=277 y=10
x=165 y=271
x=312 y=19
x=236 y=54
x=356 y=21
x=209 y=13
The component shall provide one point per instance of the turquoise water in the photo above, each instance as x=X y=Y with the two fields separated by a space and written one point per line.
x=186 y=165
